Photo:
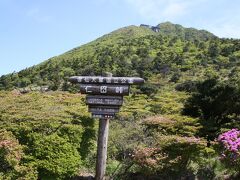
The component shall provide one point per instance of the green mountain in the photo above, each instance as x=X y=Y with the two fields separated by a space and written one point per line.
x=166 y=129
x=130 y=51
x=179 y=31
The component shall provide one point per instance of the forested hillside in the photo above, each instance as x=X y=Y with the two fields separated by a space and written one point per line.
x=167 y=129
x=174 y=51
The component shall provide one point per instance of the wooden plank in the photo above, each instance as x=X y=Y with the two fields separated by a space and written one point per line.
x=104 y=100
x=106 y=80
x=95 y=89
x=95 y=109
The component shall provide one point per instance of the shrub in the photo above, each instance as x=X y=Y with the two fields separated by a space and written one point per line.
x=54 y=156
x=11 y=155
x=188 y=86
x=171 y=157
x=230 y=142
x=216 y=102
x=149 y=89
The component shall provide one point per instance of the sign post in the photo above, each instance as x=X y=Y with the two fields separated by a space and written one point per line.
x=102 y=148
x=102 y=145
x=104 y=97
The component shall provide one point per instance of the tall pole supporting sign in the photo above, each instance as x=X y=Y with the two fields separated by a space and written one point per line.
x=104 y=98
x=102 y=147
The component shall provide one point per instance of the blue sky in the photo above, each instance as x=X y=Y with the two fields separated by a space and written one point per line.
x=32 y=31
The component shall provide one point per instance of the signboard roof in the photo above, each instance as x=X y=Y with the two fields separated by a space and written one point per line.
x=105 y=80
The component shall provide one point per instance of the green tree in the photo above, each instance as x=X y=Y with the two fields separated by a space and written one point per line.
x=54 y=156
x=216 y=102
x=11 y=156
x=213 y=50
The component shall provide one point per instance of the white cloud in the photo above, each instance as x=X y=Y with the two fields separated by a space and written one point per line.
x=174 y=9
x=162 y=10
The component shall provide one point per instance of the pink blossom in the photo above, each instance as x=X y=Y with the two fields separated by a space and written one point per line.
x=231 y=142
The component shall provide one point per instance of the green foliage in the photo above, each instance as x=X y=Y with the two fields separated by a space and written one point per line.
x=186 y=70
x=189 y=34
x=216 y=102
x=54 y=156
x=148 y=89
x=11 y=155
x=167 y=102
x=171 y=158
x=213 y=50
x=188 y=86
x=53 y=129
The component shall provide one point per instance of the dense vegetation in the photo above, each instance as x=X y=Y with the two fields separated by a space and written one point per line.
x=167 y=128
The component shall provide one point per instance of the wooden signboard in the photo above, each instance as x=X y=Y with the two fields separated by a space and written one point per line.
x=104 y=97
x=119 y=90
x=104 y=100
x=103 y=109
